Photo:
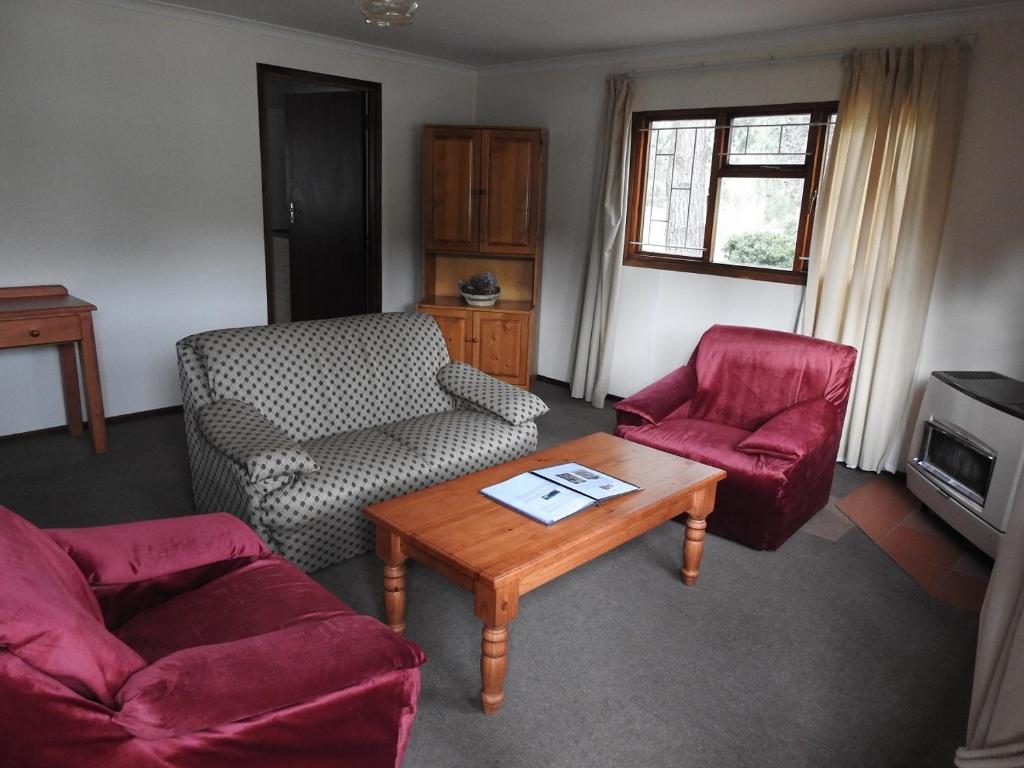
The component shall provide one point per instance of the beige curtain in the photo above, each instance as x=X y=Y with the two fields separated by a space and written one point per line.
x=878 y=228
x=596 y=329
x=995 y=732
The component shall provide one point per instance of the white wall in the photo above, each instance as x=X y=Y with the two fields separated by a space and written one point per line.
x=980 y=284
x=976 y=317
x=129 y=151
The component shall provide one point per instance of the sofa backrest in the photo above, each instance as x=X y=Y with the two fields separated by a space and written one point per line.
x=323 y=377
x=745 y=376
x=50 y=619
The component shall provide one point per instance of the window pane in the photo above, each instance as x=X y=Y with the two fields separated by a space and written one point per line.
x=756 y=222
x=769 y=140
x=678 y=174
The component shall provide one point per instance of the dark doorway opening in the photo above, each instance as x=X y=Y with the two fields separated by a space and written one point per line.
x=320 y=146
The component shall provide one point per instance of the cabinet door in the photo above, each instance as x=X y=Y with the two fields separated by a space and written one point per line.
x=455 y=325
x=501 y=342
x=510 y=198
x=451 y=177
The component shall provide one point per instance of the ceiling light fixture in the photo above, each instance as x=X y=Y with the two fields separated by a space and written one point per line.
x=388 y=13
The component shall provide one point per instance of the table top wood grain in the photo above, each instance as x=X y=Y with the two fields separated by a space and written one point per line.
x=484 y=541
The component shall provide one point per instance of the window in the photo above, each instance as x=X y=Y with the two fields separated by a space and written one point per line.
x=727 y=191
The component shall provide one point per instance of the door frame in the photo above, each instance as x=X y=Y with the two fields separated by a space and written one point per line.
x=373 y=170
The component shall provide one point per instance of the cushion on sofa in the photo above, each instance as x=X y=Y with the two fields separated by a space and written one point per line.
x=242 y=433
x=515 y=405
x=458 y=442
x=264 y=596
x=207 y=685
x=145 y=550
x=49 y=617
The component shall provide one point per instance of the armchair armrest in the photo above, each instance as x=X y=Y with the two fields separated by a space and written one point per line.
x=656 y=401
x=201 y=687
x=150 y=549
x=514 y=405
x=794 y=433
x=244 y=435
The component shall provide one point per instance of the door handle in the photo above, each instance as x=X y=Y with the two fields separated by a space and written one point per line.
x=292 y=210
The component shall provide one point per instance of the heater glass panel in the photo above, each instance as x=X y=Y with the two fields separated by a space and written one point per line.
x=957 y=460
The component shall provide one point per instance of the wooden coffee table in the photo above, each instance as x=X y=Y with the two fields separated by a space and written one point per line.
x=500 y=555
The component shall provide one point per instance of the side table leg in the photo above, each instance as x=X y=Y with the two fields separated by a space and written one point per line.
x=696 y=523
x=93 y=390
x=72 y=395
x=493 y=665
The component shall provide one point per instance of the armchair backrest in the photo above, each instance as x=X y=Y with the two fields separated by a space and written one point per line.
x=322 y=377
x=51 y=620
x=745 y=376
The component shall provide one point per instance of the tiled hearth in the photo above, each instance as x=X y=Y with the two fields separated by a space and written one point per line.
x=941 y=561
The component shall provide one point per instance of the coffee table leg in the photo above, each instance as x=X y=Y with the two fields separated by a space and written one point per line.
x=394 y=596
x=389 y=549
x=493 y=665
x=496 y=606
x=696 y=523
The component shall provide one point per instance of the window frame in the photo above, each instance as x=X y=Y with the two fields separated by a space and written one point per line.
x=811 y=172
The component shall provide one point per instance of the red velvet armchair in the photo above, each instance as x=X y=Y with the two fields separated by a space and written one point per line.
x=186 y=643
x=765 y=406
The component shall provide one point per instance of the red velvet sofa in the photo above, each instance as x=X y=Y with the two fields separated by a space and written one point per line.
x=765 y=406
x=186 y=643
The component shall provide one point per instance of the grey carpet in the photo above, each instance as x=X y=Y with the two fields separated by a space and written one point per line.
x=824 y=653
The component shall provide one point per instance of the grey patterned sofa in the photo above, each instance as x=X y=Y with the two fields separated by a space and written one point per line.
x=296 y=427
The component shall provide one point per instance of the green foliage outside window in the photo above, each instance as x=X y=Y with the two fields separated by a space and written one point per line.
x=765 y=249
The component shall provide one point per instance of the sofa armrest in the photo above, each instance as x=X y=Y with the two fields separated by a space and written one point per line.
x=244 y=435
x=513 y=404
x=795 y=432
x=209 y=685
x=656 y=401
x=136 y=552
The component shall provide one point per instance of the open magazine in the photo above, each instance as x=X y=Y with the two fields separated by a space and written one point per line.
x=553 y=493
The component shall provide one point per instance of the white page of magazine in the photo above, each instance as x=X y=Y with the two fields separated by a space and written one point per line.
x=587 y=481
x=539 y=498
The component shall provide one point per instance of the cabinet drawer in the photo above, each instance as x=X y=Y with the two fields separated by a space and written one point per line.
x=44 y=330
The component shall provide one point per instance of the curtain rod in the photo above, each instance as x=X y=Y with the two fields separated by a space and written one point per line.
x=965 y=41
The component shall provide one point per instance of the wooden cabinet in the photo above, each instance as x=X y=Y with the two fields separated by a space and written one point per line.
x=483 y=198
x=495 y=341
x=482 y=189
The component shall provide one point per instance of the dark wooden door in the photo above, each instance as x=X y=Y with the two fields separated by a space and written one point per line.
x=510 y=171
x=450 y=181
x=329 y=247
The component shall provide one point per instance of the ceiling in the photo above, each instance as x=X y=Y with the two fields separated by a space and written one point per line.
x=482 y=32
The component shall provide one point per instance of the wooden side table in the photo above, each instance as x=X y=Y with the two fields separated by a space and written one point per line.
x=45 y=314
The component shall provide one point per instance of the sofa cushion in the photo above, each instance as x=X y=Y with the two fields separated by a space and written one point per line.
x=264 y=596
x=149 y=549
x=515 y=405
x=325 y=377
x=715 y=445
x=244 y=435
x=459 y=442
x=748 y=375
x=357 y=469
x=205 y=686
x=49 y=617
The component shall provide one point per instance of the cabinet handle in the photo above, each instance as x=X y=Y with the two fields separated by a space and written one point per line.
x=469 y=340
x=476 y=340
x=33 y=333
